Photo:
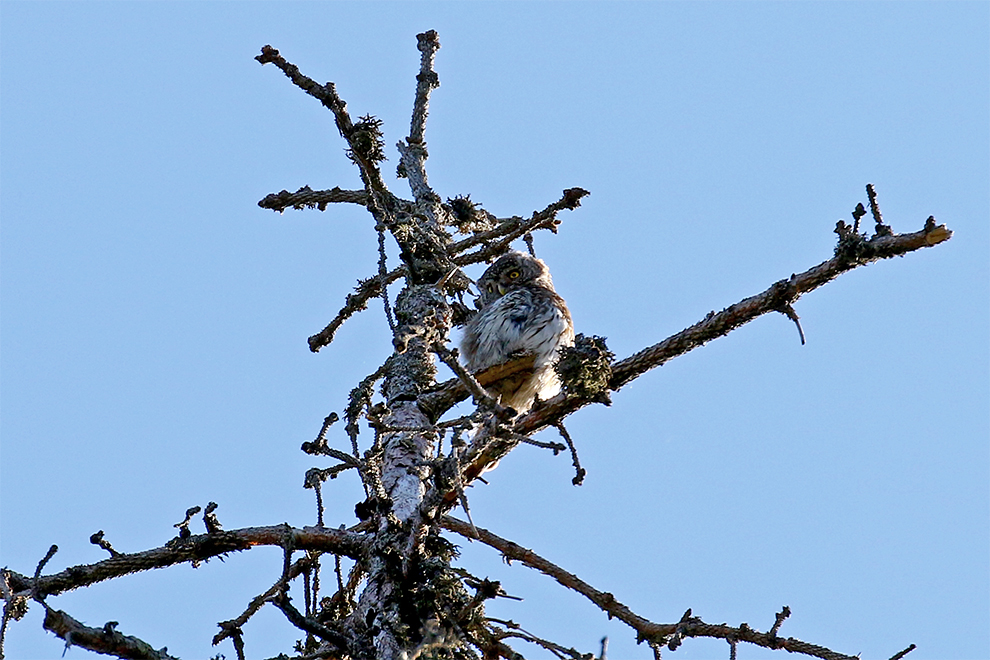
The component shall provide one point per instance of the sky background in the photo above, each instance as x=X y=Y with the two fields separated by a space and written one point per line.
x=154 y=319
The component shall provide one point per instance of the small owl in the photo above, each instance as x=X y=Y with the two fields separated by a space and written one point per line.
x=519 y=314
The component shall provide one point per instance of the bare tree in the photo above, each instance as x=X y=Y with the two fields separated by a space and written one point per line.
x=394 y=591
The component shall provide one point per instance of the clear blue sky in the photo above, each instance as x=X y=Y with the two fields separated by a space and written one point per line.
x=154 y=319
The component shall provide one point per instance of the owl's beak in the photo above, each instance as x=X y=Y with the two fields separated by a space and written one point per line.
x=501 y=289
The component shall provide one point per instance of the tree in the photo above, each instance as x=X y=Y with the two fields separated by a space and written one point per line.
x=399 y=595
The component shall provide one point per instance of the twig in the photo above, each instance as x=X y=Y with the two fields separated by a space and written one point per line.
x=580 y=471
x=481 y=396
x=383 y=274
x=514 y=630
x=556 y=447
x=183 y=526
x=44 y=560
x=317 y=445
x=97 y=539
x=210 y=519
x=528 y=238
x=788 y=311
x=857 y=215
x=898 y=656
x=784 y=612
x=880 y=229
x=449 y=393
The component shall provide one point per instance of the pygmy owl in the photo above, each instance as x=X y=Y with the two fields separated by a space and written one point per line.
x=520 y=314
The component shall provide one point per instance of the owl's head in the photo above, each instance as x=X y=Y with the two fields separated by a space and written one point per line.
x=511 y=271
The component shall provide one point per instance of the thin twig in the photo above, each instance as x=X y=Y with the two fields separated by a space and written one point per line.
x=901 y=654
x=580 y=471
x=881 y=229
x=281 y=601
x=383 y=274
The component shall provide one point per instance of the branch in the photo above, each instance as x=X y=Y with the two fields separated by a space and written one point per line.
x=313 y=627
x=451 y=392
x=853 y=251
x=232 y=627
x=426 y=81
x=194 y=549
x=859 y=252
x=646 y=630
x=511 y=229
x=354 y=303
x=412 y=152
x=327 y=95
x=306 y=197
x=472 y=385
x=105 y=640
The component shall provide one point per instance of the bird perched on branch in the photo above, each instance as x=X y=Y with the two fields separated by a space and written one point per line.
x=519 y=314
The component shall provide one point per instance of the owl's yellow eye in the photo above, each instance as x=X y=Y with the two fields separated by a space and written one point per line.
x=514 y=275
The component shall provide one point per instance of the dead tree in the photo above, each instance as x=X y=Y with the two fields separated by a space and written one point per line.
x=395 y=593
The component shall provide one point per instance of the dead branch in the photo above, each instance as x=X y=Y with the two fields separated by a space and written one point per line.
x=196 y=548
x=307 y=198
x=511 y=229
x=853 y=251
x=646 y=630
x=324 y=632
x=413 y=151
x=859 y=252
x=327 y=95
x=427 y=80
x=354 y=303
x=451 y=392
x=105 y=640
x=230 y=628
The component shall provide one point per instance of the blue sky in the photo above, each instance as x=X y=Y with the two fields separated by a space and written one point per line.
x=154 y=319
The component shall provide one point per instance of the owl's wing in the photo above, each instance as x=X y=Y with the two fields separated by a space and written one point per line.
x=547 y=326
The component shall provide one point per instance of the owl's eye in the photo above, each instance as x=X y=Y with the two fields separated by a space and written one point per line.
x=514 y=275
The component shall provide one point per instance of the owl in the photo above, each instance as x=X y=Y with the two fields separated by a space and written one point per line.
x=519 y=314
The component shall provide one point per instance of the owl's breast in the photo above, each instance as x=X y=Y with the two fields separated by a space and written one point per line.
x=523 y=321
